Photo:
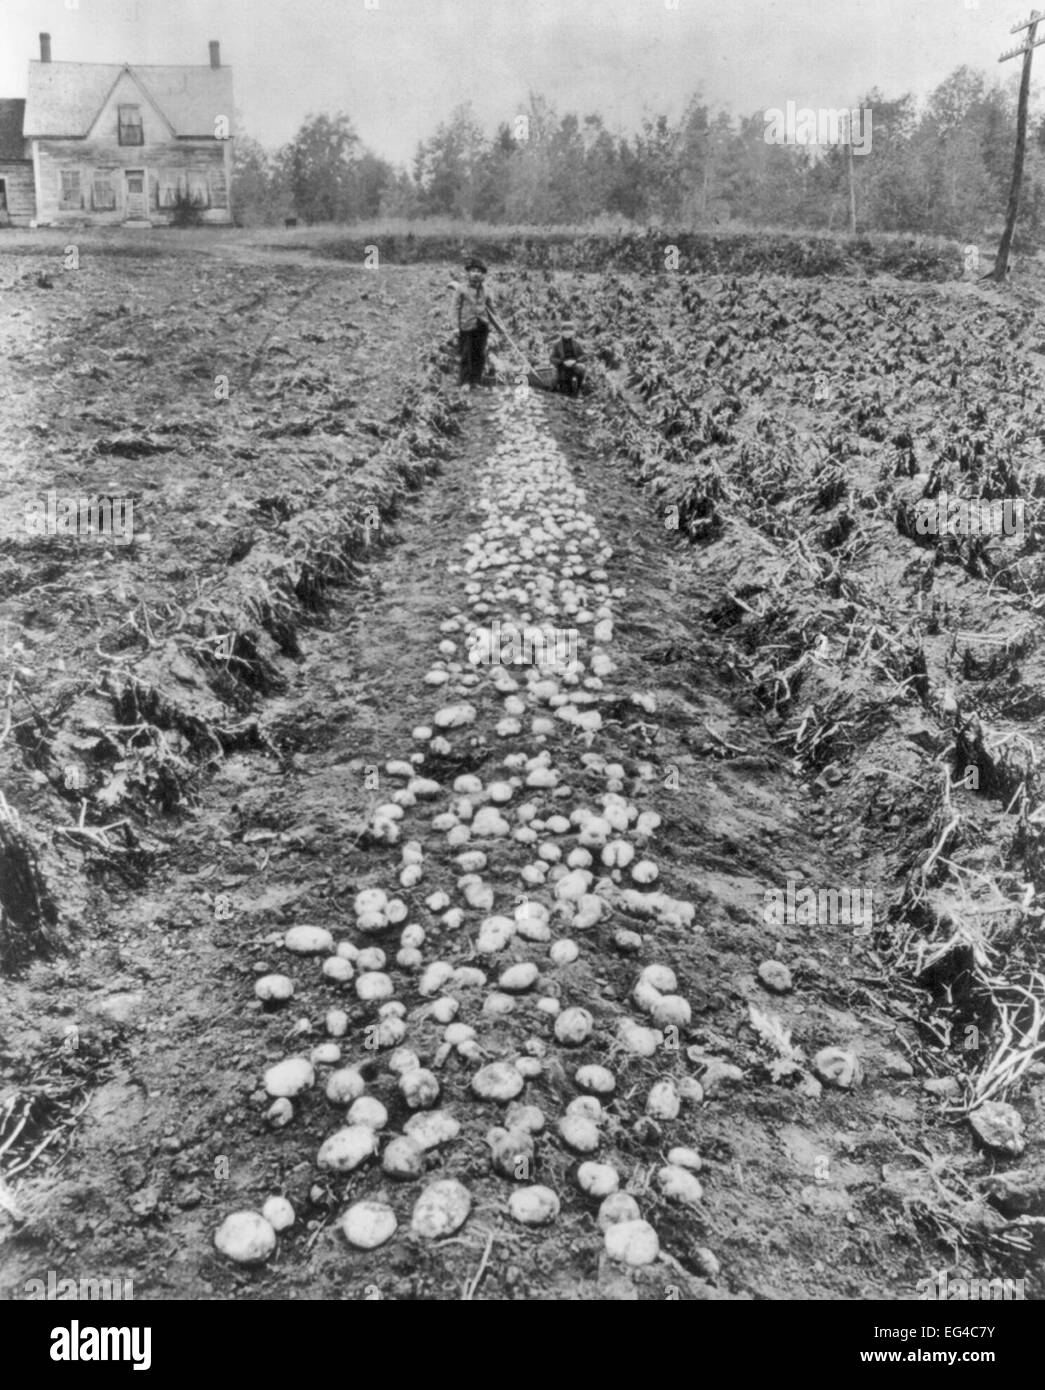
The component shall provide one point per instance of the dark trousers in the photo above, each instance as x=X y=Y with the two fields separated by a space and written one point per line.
x=569 y=379
x=473 y=353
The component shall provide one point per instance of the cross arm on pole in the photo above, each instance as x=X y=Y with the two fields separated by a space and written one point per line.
x=1034 y=17
x=1015 y=52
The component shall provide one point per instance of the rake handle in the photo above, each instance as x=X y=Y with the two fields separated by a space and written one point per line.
x=505 y=334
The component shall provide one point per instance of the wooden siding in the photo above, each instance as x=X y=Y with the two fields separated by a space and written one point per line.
x=193 y=165
x=21 y=195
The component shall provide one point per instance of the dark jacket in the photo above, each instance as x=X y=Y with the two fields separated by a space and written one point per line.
x=472 y=307
x=565 y=348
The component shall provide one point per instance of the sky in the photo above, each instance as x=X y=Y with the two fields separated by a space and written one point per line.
x=399 y=67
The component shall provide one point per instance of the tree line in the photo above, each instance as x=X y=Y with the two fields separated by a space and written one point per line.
x=941 y=167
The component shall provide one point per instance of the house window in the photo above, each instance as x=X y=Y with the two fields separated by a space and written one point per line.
x=176 y=188
x=71 y=197
x=103 y=193
x=3 y=195
x=131 y=132
x=172 y=188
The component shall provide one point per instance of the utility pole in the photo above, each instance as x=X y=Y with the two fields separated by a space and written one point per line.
x=1001 y=264
x=852 y=189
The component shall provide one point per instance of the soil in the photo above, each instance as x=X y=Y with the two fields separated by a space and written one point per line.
x=222 y=686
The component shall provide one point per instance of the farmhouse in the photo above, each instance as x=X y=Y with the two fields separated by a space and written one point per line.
x=107 y=143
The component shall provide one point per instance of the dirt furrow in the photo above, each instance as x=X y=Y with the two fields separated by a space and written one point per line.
x=275 y=850
x=509 y=919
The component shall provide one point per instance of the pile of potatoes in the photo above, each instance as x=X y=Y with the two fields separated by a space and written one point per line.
x=466 y=963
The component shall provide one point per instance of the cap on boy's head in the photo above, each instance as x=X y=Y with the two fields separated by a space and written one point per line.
x=568 y=325
x=474 y=263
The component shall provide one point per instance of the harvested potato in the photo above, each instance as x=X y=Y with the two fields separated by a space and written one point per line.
x=519 y=977
x=680 y=1183
x=274 y=989
x=280 y=1113
x=511 y=1152
x=498 y=1003
x=435 y=977
x=588 y=1106
x=500 y=1081
x=441 y=1209
x=369 y=1111
x=598 y=1179
x=344 y=1086
x=632 y=1242
x=494 y=935
x=444 y=1008
x=278 y=1212
x=339 y=969
x=246 y=1237
x=661 y=977
x=455 y=716
x=374 y=985
x=671 y=1010
x=419 y=1088
x=527 y=1117
x=573 y=1026
x=347 y=1148
x=336 y=1023
x=599 y=1080
x=368 y=1224
x=308 y=941
x=643 y=1042
x=457 y=1033
x=564 y=951
x=403 y=1059
x=289 y=1077
x=403 y=1158
x=390 y=1031
x=645 y=871
x=618 y=1207
x=682 y=1157
x=489 y=824
x=579 y=1133
x=533 y=1206
x=617 y=854
x=663 y=1101
x=432 y=1128
x=370 y=900
x=837 y=1066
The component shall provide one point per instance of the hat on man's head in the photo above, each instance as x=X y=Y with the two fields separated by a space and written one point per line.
x=568 y=325
x=474 y=263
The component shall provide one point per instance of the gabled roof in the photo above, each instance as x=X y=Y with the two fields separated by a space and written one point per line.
x=12 y=143
x=65 y=98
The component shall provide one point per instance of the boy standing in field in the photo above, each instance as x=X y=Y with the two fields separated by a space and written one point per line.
x=472 y=315
x=567 y=355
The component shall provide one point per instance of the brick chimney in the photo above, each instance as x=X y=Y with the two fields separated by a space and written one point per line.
x=45 y=48
x=215 y=53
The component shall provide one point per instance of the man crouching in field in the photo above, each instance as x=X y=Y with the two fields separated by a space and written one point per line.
x=567 y=355
x=472 y=306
